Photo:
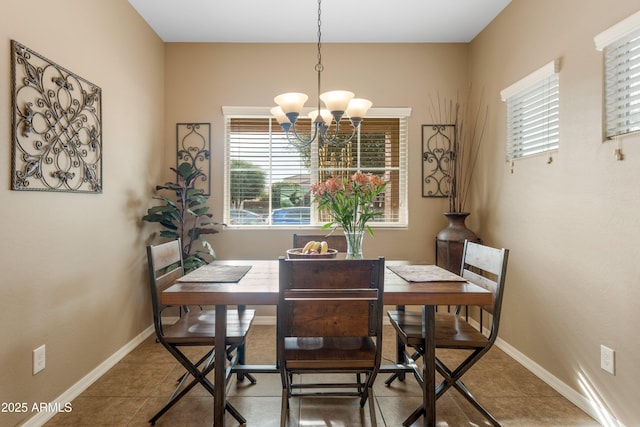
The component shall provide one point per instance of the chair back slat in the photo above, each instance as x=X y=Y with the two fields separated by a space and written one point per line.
x=166 y=254
x=485 y=258
x=165 y=267
x=331 y=274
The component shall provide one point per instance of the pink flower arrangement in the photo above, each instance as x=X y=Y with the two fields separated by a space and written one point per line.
x=349 y=201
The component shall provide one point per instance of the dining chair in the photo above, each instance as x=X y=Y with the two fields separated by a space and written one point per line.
x=337 y=242
x=193 y=328
x=329 y=321
x=486 y=267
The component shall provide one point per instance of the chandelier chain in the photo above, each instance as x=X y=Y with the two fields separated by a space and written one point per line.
x=319 y=66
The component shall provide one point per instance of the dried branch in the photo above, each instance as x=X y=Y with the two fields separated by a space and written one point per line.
x=466 y=144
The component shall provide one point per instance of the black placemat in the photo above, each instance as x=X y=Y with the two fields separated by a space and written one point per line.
x=217 y=273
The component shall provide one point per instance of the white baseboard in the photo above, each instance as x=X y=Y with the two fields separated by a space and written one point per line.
x=591 y=407
x=84 y=383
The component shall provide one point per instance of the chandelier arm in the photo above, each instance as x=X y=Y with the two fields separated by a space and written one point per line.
x=332 y=140
x=299 y=141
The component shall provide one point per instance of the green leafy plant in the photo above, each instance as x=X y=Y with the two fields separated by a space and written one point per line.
x=186 y=216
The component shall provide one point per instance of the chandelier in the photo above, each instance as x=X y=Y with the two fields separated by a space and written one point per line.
x=338 y=103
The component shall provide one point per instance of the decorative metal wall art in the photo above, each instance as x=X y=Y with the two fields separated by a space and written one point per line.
x=437 y=152
x=194 y=146
x=56 y=126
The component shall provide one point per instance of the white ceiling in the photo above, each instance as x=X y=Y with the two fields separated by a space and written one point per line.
x=281 y=21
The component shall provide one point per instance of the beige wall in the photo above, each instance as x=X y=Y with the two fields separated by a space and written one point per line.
x=73 y=264
x=391 y=75
x=572 y=226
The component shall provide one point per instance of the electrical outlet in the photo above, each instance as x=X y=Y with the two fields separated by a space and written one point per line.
x=607 y=359
x=39 y=359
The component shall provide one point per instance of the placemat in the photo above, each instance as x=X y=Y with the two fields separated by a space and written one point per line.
x=424 y=273
x=216 y=273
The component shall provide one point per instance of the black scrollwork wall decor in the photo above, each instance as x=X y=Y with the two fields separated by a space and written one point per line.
x=437 y=152
x=56 y=126
x=194 y=146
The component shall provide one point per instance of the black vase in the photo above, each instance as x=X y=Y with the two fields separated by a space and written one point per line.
x=450 y=241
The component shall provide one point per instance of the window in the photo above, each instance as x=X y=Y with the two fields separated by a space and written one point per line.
x=621 y=46
x=268 y=176
x=533 y=123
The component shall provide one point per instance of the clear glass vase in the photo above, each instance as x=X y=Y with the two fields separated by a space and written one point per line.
x=354 y=244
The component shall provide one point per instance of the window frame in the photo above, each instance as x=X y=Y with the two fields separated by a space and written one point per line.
x=533 y=113
x=400 y=113
x=621 y=77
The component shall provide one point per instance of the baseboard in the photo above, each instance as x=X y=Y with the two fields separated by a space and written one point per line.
x=591 y=407
x=84 y=383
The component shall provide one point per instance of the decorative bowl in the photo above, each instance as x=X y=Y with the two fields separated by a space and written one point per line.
x=296 y=253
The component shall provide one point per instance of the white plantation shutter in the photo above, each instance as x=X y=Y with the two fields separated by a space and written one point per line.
x=264 y=172
x=621 y=45
x=533 y=117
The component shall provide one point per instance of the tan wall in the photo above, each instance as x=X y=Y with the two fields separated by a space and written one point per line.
x=571 y=225
x=391 y=75
x=73 y=264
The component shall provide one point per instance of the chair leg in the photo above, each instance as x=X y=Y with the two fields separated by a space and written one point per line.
x=452 y=379
x=240 y=376
x=209 y=360
x=414 y=416
x=400 y=354
x=392 y=378
x=227 y=406
x=198 y=377
x=234 y=413
x=459 y=385
x=172 y=401
x=372 y=408
x=284 y=408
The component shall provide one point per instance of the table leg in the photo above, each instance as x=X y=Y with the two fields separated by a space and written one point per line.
x=429 y=365
x=219 y=398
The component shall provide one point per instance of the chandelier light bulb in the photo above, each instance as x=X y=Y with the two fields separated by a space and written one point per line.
x=358 y=107
x=279 y=115
x=291 y=102
x=337 y=100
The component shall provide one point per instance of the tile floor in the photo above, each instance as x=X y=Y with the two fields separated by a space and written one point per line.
x=137 y=387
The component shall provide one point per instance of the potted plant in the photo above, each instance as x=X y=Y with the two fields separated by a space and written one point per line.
x=185 y=216
x=469 y=127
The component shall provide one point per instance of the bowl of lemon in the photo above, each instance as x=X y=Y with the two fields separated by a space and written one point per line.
x=312 y=250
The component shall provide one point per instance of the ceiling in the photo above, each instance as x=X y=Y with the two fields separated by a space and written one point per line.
x=295 y=21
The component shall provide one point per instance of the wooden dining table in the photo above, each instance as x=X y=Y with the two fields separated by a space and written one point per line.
x=260 y=286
